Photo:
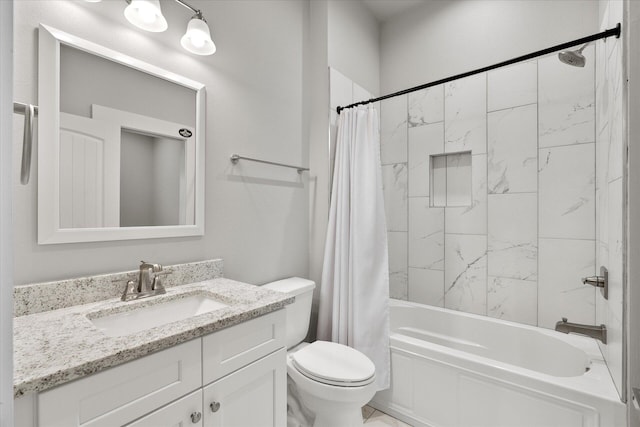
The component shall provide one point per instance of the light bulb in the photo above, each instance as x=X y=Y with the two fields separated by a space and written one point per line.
x=147 y=15
x=197 y=39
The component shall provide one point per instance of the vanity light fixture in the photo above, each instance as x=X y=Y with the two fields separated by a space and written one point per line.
x=197 y=39
x=147 y=15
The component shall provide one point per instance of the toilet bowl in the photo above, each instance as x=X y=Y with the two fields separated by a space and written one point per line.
x=334 y=381
x=333 y=386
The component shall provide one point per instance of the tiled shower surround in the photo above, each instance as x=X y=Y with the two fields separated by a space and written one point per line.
x=610 y=185
x=519 y=250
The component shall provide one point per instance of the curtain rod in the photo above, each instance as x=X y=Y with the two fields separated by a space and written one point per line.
x=603 y=35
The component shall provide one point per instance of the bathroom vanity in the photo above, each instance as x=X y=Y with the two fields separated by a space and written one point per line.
x=208 y=381
x=226 y=366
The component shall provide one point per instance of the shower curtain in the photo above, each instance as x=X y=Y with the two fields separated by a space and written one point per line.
x=354 y=296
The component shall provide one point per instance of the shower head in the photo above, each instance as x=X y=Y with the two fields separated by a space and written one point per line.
x=573 y=57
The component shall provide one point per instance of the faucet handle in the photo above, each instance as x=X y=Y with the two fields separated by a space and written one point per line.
x=564 y=320
x=157 y=285
x=130 y=291
x=157 y=280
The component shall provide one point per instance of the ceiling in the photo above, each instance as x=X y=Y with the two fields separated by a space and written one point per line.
x=384 y=10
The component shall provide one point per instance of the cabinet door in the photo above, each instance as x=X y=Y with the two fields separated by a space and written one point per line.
x=254 y=396
x=181 y=413
x=122 y=394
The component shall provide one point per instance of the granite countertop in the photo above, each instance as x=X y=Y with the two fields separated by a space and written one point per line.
x=54 y=347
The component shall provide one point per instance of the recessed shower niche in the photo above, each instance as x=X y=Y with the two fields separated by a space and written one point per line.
x=450 y=179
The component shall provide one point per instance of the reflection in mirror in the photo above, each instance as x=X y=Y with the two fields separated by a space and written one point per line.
x=87 y=79
x=125 y=160
x=157 y=166
x=146 y=191
x=152 y=192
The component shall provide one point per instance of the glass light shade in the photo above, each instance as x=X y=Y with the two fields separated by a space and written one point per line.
x=146 y=14
x=197 y=39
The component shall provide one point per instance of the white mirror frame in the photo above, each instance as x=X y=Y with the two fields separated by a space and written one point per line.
x=49 y=231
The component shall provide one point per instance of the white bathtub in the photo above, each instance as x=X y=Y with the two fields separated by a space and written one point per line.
x=456 y=369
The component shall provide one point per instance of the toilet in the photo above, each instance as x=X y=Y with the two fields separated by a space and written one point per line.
x=333 y=380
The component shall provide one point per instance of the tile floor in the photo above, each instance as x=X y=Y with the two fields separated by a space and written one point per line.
x=374 y=418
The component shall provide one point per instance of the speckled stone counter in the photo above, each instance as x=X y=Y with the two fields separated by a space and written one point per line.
x=54 y=347
x=40 y=297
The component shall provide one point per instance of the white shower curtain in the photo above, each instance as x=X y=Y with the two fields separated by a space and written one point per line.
x=354 y=296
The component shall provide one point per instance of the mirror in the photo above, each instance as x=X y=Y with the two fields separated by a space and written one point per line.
x=121 y=146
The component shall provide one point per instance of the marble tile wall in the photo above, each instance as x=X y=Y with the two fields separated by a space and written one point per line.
x=610 y=186
x=518 y=248
x=471 y=219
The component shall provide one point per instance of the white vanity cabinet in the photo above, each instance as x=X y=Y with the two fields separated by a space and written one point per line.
x=255 y=395
x=121 y=394
x=233 y=377
x=241 y=393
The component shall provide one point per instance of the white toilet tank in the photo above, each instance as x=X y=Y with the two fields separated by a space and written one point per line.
x=298 y=313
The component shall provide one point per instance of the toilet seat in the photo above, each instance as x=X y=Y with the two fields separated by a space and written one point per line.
x=334 y=364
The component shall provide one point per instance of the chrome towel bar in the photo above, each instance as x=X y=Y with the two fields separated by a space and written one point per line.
x=235 y=157
x=29 y=111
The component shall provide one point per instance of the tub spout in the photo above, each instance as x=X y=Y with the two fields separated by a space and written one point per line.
x=597 y=332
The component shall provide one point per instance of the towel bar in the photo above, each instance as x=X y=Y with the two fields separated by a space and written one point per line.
x=29 y=111
x=235 y=157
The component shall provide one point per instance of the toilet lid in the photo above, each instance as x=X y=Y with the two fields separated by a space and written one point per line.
x=335 y=364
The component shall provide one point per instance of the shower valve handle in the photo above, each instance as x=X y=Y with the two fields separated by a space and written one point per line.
x=597 y=281
x=601 y=281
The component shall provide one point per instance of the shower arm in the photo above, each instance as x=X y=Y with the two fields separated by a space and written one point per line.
x=584 y=40
x=583 y=47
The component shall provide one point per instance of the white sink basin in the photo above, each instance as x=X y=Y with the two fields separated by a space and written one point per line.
x=140 y=319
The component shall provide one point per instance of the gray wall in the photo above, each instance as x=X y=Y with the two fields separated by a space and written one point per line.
x=354 y=42
x=317 y=80
x=150 y=178
x=256 y=218
x=136 y=177
x=87 y=79
x=169 y=160
x=6 y=228
x=444 y=38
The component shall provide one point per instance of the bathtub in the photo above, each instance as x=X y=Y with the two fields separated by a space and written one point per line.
x=456 y=369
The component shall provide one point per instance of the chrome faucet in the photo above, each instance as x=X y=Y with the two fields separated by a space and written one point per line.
x=597 y=332
x=149 y=282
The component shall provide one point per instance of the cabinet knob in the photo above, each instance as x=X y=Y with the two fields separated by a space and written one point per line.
x=195 y=417
x=214 y=406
